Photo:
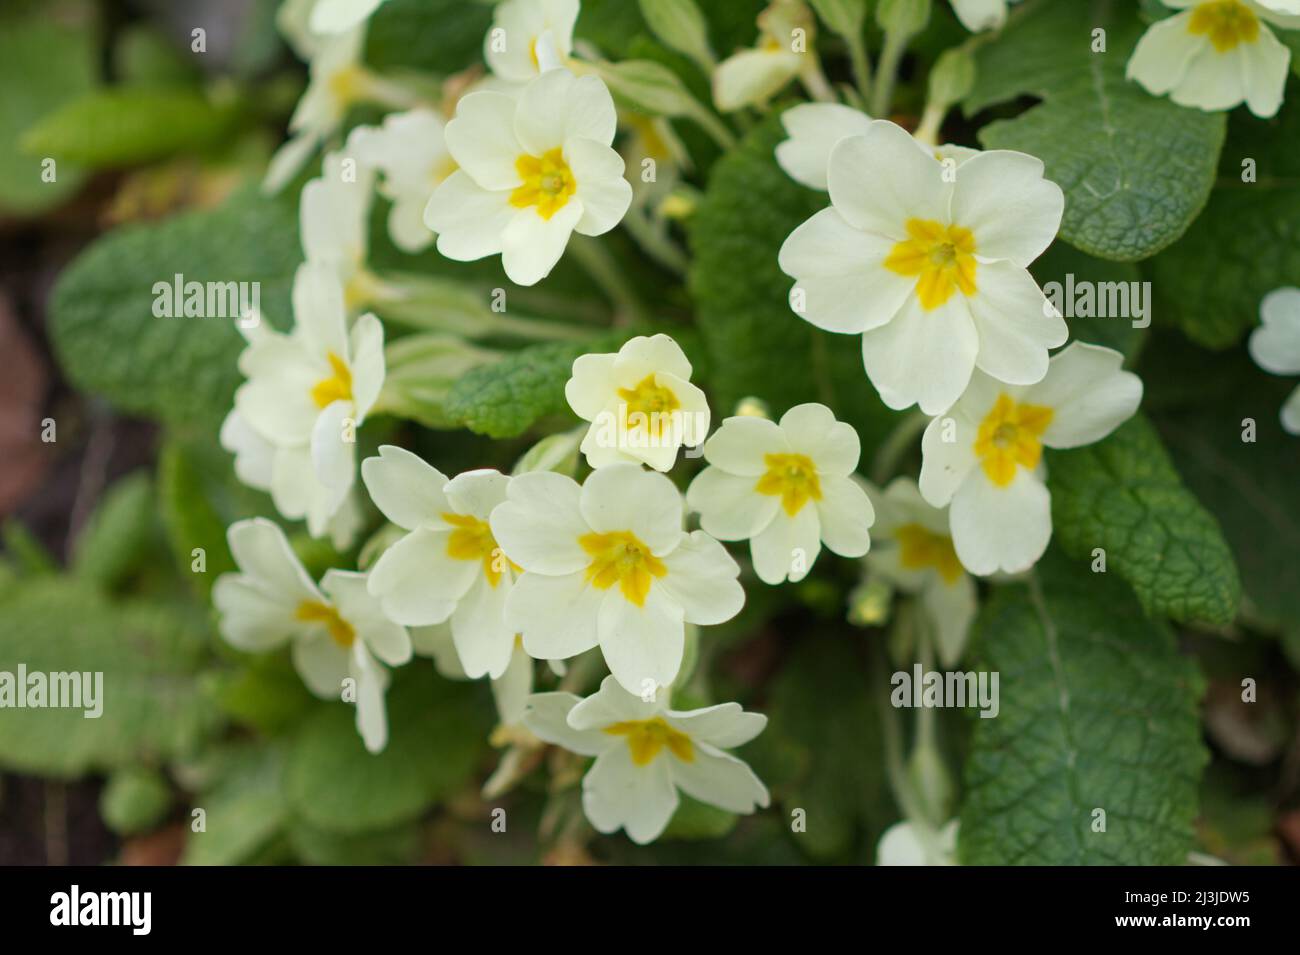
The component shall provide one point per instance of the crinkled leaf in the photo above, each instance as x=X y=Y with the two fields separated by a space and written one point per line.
x=1097 y=711
x=1136 y=169
x=190 y=520
x=119 y=535
x=1123 y=495
x=182 y=370
x=437 y=36
x=149 y=656
x=1088 y=287
x=243 y=808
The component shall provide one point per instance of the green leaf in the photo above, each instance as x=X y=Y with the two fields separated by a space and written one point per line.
x=396 y=845
x=120 y=534
x=243 y=808
x=824 y=725
x=1082 y=284
x=1124 y=496
x=1205 y=405
x=504 y=399
x=149 y=657
x=43 y=64
x=131 y=125
x=135 y=800
x=696 y=820
x=181 y=370
x=1246 y=243
x=437 y=733
x=266 y=693
x=1136 y=169
x=1098 y=711
x=190 y=519
x=435 y=36
x=755 y=344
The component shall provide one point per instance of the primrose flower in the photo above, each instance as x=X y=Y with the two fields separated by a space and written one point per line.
x=533 y=171
x=1275 y=345
x=1216 y=54
x=410 y=153
x=337 y=80
x=448 y=566
x=646 y=752
x=928 y=261
x=307 y=393
x=914 y=843
x=333 y=219
x=814 y=129
x=336 y=16
x=338 y=631
x=529 y=37
x=752 y=77
x=786 y=488
x=640 y=402
x=985 y=455
x=607 y=563
x=913 y=551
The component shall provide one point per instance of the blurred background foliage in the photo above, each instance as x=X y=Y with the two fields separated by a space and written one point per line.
x=159 y=151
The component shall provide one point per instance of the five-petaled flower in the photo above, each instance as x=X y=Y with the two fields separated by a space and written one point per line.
x=529 y=37
x=607 y=563
x=1216 y=54
x=985 y=455
x=338 y=631
x=786 y=488
x=533 y=170
x=928 y=261
x=410 y=152
x=640 y=402
x=646 y=752
x=448 y=565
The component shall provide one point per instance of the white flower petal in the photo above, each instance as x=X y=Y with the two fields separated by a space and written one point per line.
x=372 y=681
x=739 y=446
x=367 y=347
x=478 y=626
x=556 y=615
x=617 y=794
x=814 y=129
x=702 y=580
x=811 y=429
x=1014 y=328
x=254 y=618
x=319 y=314
x=1265 y=71
x=469 y=219
x=263 y=554
x=531 y=245
x=1001 y=528
x=751 y=77
x=951 y=609
x=623 y=497
x=407 y=490
x=1275 y=344
x=558 y=107
x=719 y=779
x=1002 y=197
x=1090 y=396
x=613 y=704
x=788 y=546
x=477 y=492
x=482 y=140
x=923 y=357
x=546 y=717
x=729 y=507
x=643 y=646
x=945 y=464
x=332 y=455
x=979 y=15
x=845 y=515
x=725 y=725
x=1291 y=412
x=590 y=385
x=510 y=691
x=1214 y=80
x=322 y=664
x=879 y=180
x=415 y=580
x=539 y=524
x=1164 y=54
x=604 y=193
x=648 y=355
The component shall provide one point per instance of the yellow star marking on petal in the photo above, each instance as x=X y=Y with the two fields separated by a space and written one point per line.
x=348 y=85
x=647 y=738
x=337 y=387
x=547 y=182
x=1009 y=436
x=340 y=631
x=791 y=477
x=940 y=257
x=649 y=405
x=1227 y=23
x=472 y=540
x=920 y=548
x=619 y=557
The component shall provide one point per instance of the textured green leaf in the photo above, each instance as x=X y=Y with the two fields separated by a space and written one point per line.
x=396 y=845
x=43 y=64
x=504 y=399
x=1202 y=402
x=190 y=519
x=149 y=657
x=756 y=345
x=1097 y=711
x=1063 y=264
x=182 y=370
x=437 y=732
x=130 y=125
x=120 y=534
x=1136 y=169
x=1246 y=243
x=1124 y=496
x=436 y=36
x=696 y=820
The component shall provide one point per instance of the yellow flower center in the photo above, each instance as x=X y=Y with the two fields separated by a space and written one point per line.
x=340 y=631
x=619 y=557
x=649 y=405
x=647 y=738
x=348 y=85
x=337 y=387
x=1009 y=436
x=1226 y=22
x=472 y=540
x=940 y=257
x=547 y=182
x=792 y=478
x=920 y=548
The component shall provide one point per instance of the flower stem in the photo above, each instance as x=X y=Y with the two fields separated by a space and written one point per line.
x=654 y=242
x=895 y=446
x=887 y=72
x=861 y=63
x=604 y=271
